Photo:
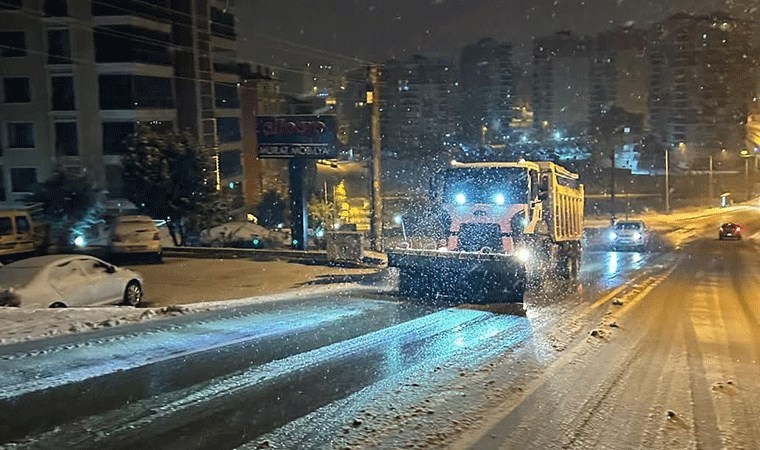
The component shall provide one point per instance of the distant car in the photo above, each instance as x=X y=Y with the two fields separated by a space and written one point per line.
x=730 y=231
x=629 y=235
x=135 y=235
x=58 y=281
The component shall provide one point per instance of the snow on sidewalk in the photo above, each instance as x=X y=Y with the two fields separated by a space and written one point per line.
x=20 y=325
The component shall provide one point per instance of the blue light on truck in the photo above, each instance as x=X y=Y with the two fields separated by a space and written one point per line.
x=499 y=199
x=460 y=198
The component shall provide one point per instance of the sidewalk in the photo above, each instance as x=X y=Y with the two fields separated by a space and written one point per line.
x=184 y=286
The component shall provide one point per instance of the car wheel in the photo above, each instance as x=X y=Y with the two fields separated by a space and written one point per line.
x=133 y=293
x=58 y=305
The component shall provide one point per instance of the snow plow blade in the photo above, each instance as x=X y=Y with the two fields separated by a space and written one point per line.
x=459 y=276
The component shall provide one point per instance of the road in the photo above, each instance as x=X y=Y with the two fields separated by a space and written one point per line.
x=646 y=351
x=681 y=370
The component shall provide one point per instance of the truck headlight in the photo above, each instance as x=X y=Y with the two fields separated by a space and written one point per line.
x=637 y=236
x=613 y=235
x=499 y=199
x=522 y=254
x=460 y=198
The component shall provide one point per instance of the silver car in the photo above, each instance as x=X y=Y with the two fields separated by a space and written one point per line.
x=629 y=235
x=58 y=281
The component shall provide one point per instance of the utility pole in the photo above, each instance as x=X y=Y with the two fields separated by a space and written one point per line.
x=376 y=220
x=612 y=186
x=710 y=183
x=667 y=181
x=746 y=176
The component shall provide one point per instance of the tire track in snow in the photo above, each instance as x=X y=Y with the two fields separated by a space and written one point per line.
x=228 y=411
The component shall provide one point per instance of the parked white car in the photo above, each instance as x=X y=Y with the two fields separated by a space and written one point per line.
x=135 y=235
x=58 y=281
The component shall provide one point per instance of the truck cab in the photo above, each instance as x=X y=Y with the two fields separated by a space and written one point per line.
x=490 y=205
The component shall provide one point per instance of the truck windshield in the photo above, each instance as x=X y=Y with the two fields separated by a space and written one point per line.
x=502 y=185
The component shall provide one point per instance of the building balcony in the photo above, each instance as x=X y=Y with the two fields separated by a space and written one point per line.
x=230 y=67
x=135 y=21
x=135 y=68
x=223 y=42
x=139 y=115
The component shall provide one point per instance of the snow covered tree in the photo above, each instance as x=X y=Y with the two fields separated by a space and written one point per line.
x=321 y=212
x=341 y=202
x=70 y=204
x=171 y=176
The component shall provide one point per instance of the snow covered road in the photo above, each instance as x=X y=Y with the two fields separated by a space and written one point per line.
x=280 y=360
x=679 y=369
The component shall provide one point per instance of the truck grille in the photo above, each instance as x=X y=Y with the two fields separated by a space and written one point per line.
x=473 y=237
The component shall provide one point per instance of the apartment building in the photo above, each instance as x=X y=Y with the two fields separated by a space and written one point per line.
x=487 y=91
x=701 y=82
x=78 y=76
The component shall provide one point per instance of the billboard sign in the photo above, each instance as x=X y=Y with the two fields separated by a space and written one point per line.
x=296 y=136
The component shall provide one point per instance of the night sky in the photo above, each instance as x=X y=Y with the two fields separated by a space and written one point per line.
x=377 y=30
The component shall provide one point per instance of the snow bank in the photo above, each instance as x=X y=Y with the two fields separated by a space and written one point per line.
x=18 y=325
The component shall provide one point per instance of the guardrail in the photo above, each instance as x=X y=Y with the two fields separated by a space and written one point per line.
x=316 y=256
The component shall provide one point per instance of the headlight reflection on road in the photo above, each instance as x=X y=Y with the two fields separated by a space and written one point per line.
x=446 y=334
x=612 y=264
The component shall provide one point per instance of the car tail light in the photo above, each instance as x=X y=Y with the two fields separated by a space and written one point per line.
x=738 y=229
x=156 y=237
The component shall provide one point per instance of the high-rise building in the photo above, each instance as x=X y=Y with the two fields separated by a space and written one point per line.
x=417 y=102
x=354 y=113
x=79 y=75
x=619 y=72
x=260 y=96
x=701 y=82
x=487 y=91
x=561 y=83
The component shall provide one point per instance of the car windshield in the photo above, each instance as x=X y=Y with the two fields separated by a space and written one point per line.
x=484 y=185
x=628 y=226
x=136 y=225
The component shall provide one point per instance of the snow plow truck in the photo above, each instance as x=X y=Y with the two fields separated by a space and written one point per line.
x=509 y=225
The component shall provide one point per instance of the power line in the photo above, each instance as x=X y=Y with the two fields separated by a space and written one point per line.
x=295 y=44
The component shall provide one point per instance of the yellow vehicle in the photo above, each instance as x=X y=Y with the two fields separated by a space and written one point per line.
x=20 y=233
x=508 y=222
